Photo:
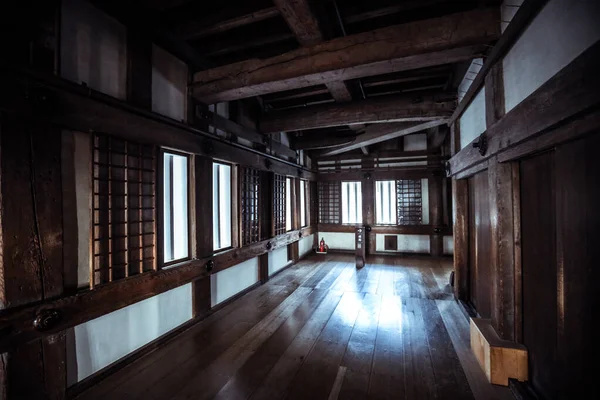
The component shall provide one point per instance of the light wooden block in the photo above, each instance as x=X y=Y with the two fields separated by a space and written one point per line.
x=499 y=359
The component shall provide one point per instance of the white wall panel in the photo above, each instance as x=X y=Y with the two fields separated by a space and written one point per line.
x=338 y=240
x=406 y=243
x=306 y=245
x=414 y=142
x=448 y=245
x=104 y=340
x=169 y=84
x=472 y=122
x=561 y=31
x=278 y=259
x=231 y=281
x=93 y=48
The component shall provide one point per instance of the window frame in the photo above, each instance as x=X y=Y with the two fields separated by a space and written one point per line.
x=394 y=198
x=342 y=203
x=160 y=208
x=304 y=188
x=289 y=218
x=232 y=193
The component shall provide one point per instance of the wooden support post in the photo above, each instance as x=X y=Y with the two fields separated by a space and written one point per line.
x=263 y=268
x=460 y=212
x=503 y=187
x=368 y=204
x=203 y=210
x=436 y=238
x=31 y=252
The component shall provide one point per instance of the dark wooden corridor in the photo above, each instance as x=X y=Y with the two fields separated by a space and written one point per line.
x=322 y=330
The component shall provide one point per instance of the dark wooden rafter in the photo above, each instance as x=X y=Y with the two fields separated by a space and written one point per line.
x=383 y=132
x=304 y=24
x=215 y=24
x=311 y=142
x=383 y=109
x=414 y=45
x=395 y=9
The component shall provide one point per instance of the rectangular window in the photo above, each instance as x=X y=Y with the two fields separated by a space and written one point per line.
x=351 y=203
x=288 y=204
x=249 y=191
x=279 y=204
x=124 y=209
x=175 y=207
x=409 y=202
x=221 y=206
x=303 y=203
x=329 y=194
x=385 y=202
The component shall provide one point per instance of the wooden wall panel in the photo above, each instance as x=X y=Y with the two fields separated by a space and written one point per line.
x=560 y=193
x=539 y=266
x=479 y=244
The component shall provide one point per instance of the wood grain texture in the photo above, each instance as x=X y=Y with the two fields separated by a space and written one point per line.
x=408 y=46
x=460 y=212
x=378 y=110
x=291 y=338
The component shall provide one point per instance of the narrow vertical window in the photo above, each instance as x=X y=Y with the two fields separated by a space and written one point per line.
x=302 y=203
x=221 y=206
x=351 y=203
x=175 y=207
x=288 y=204
x=385 y=202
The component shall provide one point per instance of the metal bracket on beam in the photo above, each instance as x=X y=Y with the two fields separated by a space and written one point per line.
x=481 y=144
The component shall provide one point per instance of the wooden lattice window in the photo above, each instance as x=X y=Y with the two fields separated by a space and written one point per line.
x=249 y=194
x=279 y=219
x=409 y=202
x=329 y=202
x=124 y=209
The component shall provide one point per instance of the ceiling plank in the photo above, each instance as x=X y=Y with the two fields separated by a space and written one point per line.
x=301 y=21
x=395 y=9
x=378 y=110
x=418 y=44
x=213 y=25
x=382 y=133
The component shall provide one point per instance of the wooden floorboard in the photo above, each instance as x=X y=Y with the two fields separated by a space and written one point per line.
x=321 y=330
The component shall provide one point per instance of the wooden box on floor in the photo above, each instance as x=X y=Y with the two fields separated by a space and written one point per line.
x=500 y=359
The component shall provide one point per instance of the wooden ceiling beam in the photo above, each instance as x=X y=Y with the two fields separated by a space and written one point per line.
x=304 y=24
x=395 y=9
x=413 y=45
x=321 y=142
x=216 y=24
x=383 y=109
x=385 y=132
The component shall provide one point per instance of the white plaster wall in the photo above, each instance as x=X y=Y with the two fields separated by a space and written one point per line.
x=306 y=245
x=472 y=122
x=233 y=280
x=448 y=245
x=508 y=10
x=469 y=77
x=414 y=142
x=338 y=240
x=561 y=31
x=93 y=48
x=425 y=201
x=104 y=340
x=83 y=200
x=406 y=243
x=169 y=84
x=278 y=259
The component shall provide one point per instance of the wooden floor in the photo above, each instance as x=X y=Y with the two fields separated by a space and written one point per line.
x=321 y=330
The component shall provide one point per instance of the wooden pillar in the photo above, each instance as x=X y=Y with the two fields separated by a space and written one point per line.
x=203 y=210
x=293 y=249
x=368 y=203
x=263 y=268
x=436 y=208
x=31 y=251
x=460 y=212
